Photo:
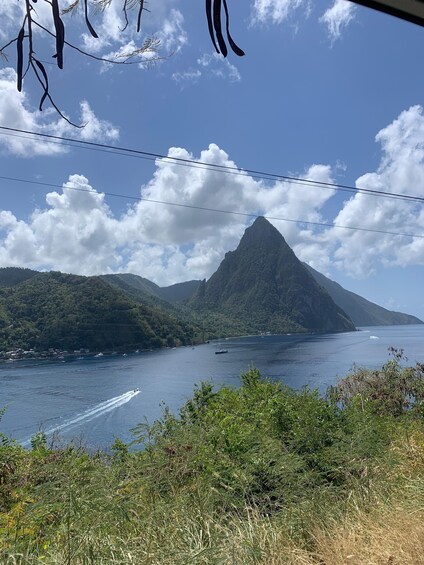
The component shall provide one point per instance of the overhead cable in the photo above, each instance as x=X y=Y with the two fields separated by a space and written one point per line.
x=215 y=210
x=228 y=169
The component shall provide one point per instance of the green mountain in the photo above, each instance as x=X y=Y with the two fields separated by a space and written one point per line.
x=143 y=291
x=206 y=325
x=259 y=287
x=11 y=276
x=263 y=285
x=179 y=292
x=173 y=294
x=361 y=311
x=128 y=281
x=69 y=312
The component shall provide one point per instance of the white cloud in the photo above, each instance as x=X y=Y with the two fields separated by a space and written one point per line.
x=108 y=27
x=191 y=186
x=77 y=232
x=113 y=32
x=94 y=129
x=338 y=17
x=172 y=35
x=209 y=65
x=191 y=75
x=75 y=228
x=15 y=112
x=401 y=171
x=274 y=11
x=11 y=18
x=219 y=66
x=165 y=22
x=130 y=53
x=12 y=15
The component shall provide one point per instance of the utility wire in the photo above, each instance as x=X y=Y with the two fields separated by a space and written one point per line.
x=216 y=210
x=61 y=140
x=209 y=167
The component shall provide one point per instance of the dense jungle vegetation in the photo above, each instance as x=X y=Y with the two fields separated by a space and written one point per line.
x=259 y=474
x=69 y=312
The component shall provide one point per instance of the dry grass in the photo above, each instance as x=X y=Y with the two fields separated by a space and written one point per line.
x=391 y=534
x=387 y=530
x=388 y=535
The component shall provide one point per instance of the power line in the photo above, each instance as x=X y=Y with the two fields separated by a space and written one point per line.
x=215 y=210
x=124 y=151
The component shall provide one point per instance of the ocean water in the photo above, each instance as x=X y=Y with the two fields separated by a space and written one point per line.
x=97 y=399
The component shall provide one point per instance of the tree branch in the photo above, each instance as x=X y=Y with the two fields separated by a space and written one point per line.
x=150 y=46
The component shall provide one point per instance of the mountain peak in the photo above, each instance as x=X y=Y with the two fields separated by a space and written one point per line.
x=262 y=225
x=262 y=234
x=261 y=221
x=263 y=285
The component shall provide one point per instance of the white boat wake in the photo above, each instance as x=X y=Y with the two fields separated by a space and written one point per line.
x=90 y=414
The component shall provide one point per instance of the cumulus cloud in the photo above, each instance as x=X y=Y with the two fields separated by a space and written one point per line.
x=15 y=112
x=168 y=40
x=338 y=17
x=115 y=38
x=76 y=232
x=183 y=224
x=130 y=53
x=401 y=171
x=12 y=15
x=77 y=227
x=94 y=128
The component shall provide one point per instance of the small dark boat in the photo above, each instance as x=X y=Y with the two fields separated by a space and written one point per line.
x=221 y=351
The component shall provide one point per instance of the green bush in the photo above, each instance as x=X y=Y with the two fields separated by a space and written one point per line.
x=262 y=444
x=393 y=389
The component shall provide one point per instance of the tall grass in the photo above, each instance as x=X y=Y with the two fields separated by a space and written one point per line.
x=258 y=475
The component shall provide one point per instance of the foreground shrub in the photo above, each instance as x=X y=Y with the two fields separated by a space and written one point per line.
x=263 y=445
x=393 y=389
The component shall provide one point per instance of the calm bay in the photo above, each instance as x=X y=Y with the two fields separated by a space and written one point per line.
x=96 y=398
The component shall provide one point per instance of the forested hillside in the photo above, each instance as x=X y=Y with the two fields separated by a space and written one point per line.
x=259 y=287
x=55 y=310
x=362 y=311
x=11 y=276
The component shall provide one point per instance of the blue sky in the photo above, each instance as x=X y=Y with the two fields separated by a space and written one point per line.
x=328 y=91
